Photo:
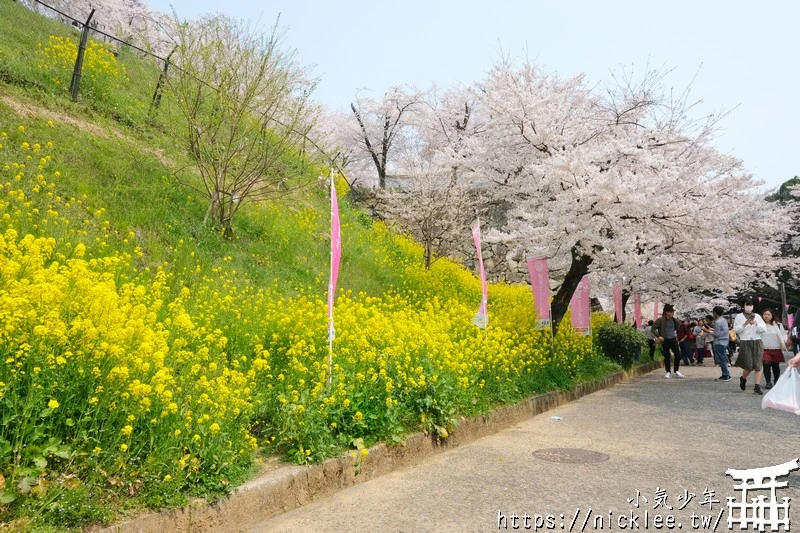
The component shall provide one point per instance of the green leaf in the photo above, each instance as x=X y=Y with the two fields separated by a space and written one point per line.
x=5 y=448
x=69 y=422
x=64 y=452
x=45 y=412
x=41 y=462
x=25 y=484
x=6 y=497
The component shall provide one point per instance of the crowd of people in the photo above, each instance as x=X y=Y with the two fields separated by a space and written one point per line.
x=753 y=342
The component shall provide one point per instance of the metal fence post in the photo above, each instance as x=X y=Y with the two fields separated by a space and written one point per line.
x=75 y=84
x=160 y=84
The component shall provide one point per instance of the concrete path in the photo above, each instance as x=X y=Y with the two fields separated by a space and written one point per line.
x=671 y=435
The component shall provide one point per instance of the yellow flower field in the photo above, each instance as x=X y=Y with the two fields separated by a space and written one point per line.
x=101 y=71
x=127 y=378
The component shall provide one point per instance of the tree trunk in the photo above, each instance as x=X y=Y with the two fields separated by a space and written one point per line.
x=225 y=219
x=428 y=252
x=578 y=269
x=382 y=178
x=213 y=208
x=626 y=295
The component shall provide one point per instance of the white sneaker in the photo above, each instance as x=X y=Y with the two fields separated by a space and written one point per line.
x=667 y=375
x=678 y=375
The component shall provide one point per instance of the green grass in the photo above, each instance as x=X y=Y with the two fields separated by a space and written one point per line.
x=143 y=195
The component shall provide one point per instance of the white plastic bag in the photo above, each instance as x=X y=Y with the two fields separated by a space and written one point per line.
x=785 y=395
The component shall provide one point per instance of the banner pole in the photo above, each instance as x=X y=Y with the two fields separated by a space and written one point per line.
x=331 y=296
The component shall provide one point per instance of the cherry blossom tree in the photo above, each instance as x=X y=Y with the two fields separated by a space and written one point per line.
x=379 y=129
x=622 y=180
x=430 y=203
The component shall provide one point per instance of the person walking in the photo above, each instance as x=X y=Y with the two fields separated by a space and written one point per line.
x=685 y=342
x=720 y=342
x=665 y=330
x=651 y=339
x=749 y=328
x=708 y=336
x=733 y=343
x=699 y=341
x=774 y=341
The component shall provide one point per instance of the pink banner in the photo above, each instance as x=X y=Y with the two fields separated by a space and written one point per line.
x=637 y=310
x=618 y=302
x=540 y=284
x=579 y=305
x=482 y=317
x=791 y=321
x=336 y=256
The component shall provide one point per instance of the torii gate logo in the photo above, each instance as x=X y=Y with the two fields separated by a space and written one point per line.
x=759 y=512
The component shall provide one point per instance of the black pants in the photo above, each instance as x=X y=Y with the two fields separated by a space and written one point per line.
x=686 y=352
x=671 y=345
x=652 y=344
x=772 y=368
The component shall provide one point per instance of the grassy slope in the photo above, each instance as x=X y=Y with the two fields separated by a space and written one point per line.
x=141 y=194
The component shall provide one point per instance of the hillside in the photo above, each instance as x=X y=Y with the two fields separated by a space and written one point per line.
x=148 y=359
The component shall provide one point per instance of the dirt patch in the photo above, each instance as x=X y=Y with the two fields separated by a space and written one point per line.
x=25 y=109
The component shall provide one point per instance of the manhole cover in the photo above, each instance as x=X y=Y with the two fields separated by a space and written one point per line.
x=570 y=455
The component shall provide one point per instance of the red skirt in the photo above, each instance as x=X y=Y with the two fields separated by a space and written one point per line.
x=773 y=356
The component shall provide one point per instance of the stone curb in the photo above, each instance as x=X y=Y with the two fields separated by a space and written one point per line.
x=289 y=487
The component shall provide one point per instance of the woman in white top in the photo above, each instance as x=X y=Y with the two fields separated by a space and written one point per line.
x=774 y=341
x=750 y=328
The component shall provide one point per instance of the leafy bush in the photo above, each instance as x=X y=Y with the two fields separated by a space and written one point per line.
x=619 y=342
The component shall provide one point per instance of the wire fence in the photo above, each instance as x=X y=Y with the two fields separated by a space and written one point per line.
x=90 y=26
x=93 y=27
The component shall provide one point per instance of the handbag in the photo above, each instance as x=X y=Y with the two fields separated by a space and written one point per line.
x=785 y=395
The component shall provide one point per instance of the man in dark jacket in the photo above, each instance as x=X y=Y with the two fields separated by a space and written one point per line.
x=665 y=330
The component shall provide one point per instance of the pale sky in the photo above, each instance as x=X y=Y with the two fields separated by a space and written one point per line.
x=748 y=53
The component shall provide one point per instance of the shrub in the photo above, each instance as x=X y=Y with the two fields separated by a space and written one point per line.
x=619 y=342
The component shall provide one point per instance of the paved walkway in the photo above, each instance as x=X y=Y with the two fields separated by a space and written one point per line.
x=672 y=435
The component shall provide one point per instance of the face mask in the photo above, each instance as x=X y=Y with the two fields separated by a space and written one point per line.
x=748 y=309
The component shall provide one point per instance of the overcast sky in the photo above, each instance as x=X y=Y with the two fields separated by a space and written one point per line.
x=748 y=54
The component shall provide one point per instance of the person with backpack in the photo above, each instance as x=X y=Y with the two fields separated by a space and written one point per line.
x=665 y=330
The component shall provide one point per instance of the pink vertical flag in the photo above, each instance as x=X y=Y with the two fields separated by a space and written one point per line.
x=579 y=304
x=482 y=317
x=336 y=256
x=540 y=284
x=637 y=309
x=791 y=321
x=618 y=302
